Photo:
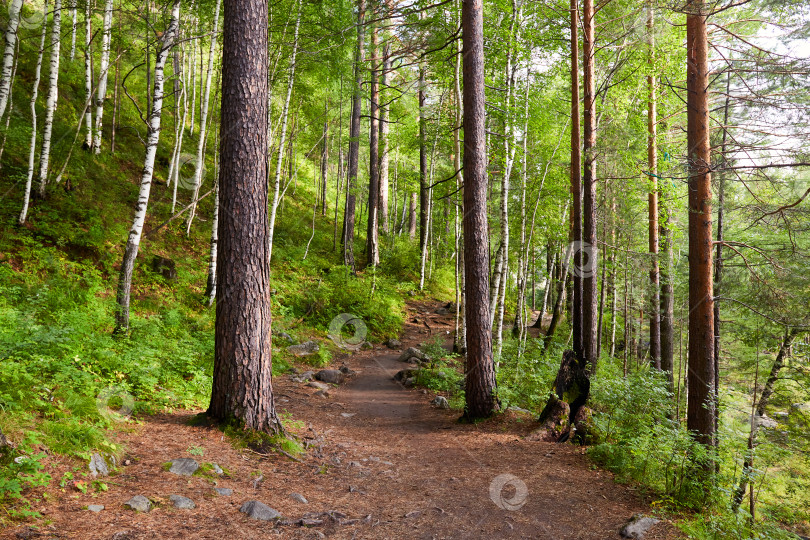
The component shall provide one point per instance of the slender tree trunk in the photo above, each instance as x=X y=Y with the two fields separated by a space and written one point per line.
x=480 y=384
x=349 y=217
x=652 y=198
x=73 y=25
x=423 y=185
x=205 y=96
x=576 y=184
x=10 y=38
x=372 y=230
x=211 y=284
x=32 y=149
x=88 y=72
x=152 y=139
x=242 y=385
x=115 y=90
x=589 y=296
x=324 y=159
x=701 y=402
x=53 y=96
x=101 y=94
x=411 y=216
x=285 y=111
x=384 y=127
x=10 y=102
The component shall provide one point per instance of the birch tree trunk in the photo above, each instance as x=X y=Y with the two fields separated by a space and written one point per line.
x=32 y=149
x=211 y=285
x=53 y=95
x=104 y=69
x=88 y=72
x=199 y=159
x=8 y=54
x=284 y=116
x=152 y=139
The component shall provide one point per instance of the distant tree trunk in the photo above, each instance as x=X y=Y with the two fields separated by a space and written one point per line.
x=354 y=142
x=53 y=95
x=173 y=177
x=759 y=411
x=205 y=97
x=101 y=94
x=652 y=199
x=384 y=127
x=701 y=403
x=372 y=229
x=324 y=160
x=115 y=90
x=32 y=149
x=480 y=369
x=88 y=72
x=576 y=183
x=285 y=111
x=411 y=216
x=242 y=385
x=523 y=263
x=423 y=185
x=10 y=102
x=211 y=284
x=152 y=139
x=8 y=54
x=589 y=296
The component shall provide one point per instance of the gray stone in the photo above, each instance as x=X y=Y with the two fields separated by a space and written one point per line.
x=259 y=510
x=184 y=466
x=331 y=376
x=413 y=352
x=225 y=492
x=284 y=335
x=405 y=374
x=139 y=503
x=307 y=375
x=217 y=468
x=765 y=422
x=98 y=466
x=183 y=503
x=393 y=344
x=318 y=385
x=440 y=402
x=298 y=497
x=346 y=370
x=637 y=527
x=95 y=508
x=305 y=349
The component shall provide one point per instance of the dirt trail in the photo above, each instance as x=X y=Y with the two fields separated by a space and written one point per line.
x=384 y=459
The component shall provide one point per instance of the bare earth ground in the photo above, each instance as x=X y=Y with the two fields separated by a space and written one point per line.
x=388 y=463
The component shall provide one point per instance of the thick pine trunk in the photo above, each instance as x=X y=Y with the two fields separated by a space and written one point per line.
x=576 y=184
x=652 y=200
x=152 y=139
x=701 y=402
x=349 y=217
x=242 y=385
x=589 y=296
x=480 y=369
x=104 y=69
x=53 y=96
x=384 y=127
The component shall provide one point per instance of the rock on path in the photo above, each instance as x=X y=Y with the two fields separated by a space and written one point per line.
x=259 y=510
x=184 y=466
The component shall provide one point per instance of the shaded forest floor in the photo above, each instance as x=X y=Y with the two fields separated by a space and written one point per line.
x=384 y=461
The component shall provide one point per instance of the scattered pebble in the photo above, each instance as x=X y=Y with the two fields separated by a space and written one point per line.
x=298 y=497
x=226 y=492
x=259 y=510
x=139 y=503
x=183 y=503
x=184 y=466
x=98 y=466
x=95 y=507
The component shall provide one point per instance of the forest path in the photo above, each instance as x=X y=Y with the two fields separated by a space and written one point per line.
x=380 y=455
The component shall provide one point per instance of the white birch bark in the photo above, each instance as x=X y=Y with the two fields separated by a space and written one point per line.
x=211 y=285
x=53 y=95
x=88 y=72
x=8 y=54
x=104 y=68
x=32 y=150
x=192 y=72
x=10 y=102
x=199 y=163
x=284 y=116
x=73 y=26
x=152 y=138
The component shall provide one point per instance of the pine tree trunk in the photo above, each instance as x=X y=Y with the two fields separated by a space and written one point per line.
x=32 y=149
x=53 y=95
x=652 y=199
x=10 y=38
x=285 y=111
x=205 y=97
x=152 y=139
x=480 y=370
x=349 y=216
x=103 y=71
x=242 y=386
x=372 y=229
x=701 y=402
x=576 y=184
x=384 y=127
x=589 y=296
